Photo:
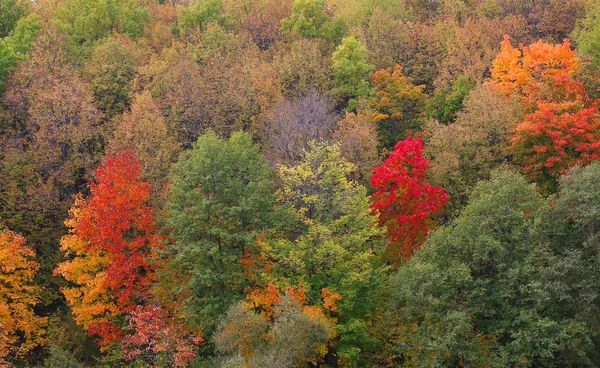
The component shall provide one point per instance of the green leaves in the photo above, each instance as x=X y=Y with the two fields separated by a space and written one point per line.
x=221 y=202
x=506 y=284
x=351 y=72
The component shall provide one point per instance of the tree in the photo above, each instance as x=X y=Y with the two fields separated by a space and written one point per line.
x=446 y=103
x=398 y=104
x=201 y=14
x=15 y=46
x=262 y=19
x=404 y=201
x=21 y=330
x=538 y=73
x=88 y=21
x=473 y=44
x=588 y=34
x=351 y=71
x=10 y=13
x=220 y=202
x=490 y=288
x=418 y=47
x=158 y=339
x=334 y=249
x=110 y=72
x=54 y=145
x=143 y=130
x=466 y=151
x=285 y=333
x=174 y=80
x=302 y=67
x=293 y=125
x=554 y=138
x=310 y=19
x=357 y=136
x=111 y=239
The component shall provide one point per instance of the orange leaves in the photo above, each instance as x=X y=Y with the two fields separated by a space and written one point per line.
x=110 y=240
x=20 y=329
x=561 y=129
x=537 y=73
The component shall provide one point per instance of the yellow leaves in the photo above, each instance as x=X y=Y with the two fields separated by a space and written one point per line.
x=90 y=299
x=20 y=329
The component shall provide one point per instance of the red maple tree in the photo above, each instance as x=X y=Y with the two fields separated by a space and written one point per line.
x=403 y=199
x=109 y=247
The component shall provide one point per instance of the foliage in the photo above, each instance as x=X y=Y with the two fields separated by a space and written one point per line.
x=485 y=290
x=88 y=21
x=287 y=333
x=158 y=340
x=310 y=19
x=398 y=105
x=338 y=248
x=404 y=201
x=295 y=124
x=350 y=70
x=446 y=103
x=202 y=13
x=144 y=132
x=110 y=240
x=588 y=33
x=21 y=330
x=357 y=136
x=110 y=71
x=15 y=46
x=554 y=138
x=10 y=13
x=466 y=151
x=220 y=202
x=538 y=73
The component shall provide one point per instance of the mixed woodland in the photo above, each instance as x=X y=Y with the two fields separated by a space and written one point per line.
x=299 y=183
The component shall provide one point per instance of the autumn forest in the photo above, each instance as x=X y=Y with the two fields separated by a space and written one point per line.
x=299 y=183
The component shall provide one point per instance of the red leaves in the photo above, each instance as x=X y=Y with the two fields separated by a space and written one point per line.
x=118 y=220
x=403 y=200
x=112 y=238
x=159 y=333
x=554 y=138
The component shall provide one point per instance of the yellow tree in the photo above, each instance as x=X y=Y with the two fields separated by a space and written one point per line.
x=20 y=329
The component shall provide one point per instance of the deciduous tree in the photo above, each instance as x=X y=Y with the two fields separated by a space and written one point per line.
x=108 y=248
x=404 y=200
x=21 y=330
x=398 y=104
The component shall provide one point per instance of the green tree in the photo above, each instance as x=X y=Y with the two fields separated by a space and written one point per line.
x=508 y=283
x=221 y=201
x=15 y=46
x=86 y=21
x=201 y=14
x=338 y=247
x=351 y=71
x=446 y=103
x=111 y=70
x=10 y=13
x=310 y=19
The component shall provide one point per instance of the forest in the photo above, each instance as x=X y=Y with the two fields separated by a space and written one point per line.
x=299 y=183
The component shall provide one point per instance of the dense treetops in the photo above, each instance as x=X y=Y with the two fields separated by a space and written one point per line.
x=299 y=183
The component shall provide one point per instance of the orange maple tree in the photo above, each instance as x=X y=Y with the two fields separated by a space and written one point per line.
x=20 y=329
x=561 y=125
x=539 y=73
x=109 y=245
